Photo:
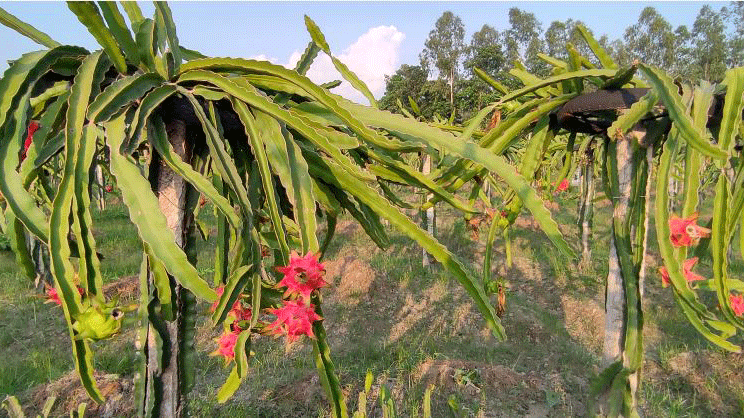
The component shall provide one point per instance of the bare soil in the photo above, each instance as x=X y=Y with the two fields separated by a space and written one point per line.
x=555 y=330
x=116 y=390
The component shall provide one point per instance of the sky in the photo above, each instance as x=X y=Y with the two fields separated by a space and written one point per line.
x=372 y=38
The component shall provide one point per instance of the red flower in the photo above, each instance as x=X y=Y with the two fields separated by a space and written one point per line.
x=302 y=275
x=109 y=188
x=220 y=290
x=686 y=270
x=53 y=296
x=226 y=343
x=32 y=128
x=240 y=313
x=563 y=186
x=685 y=232
x=737 y=304
x=237 y=311
x=560 y=187
x=294 y=319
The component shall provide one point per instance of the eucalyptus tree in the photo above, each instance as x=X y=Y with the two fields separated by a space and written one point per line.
x=734 y=14
x=485 y=51
x=445 y=48
x=651 y=40
x=559 y=34
x=709 y=45
x=522 y=39
x=276 y=155
x=486 y=54
x=556 y=37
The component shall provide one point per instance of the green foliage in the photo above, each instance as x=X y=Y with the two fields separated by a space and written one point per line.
x=4 y=242
x=689 y=132
x=445 y=46
x=709 y=45
x=13 y=407
x=264 y=143
x=277 y=155
x=699 y=50
x=652 y=40
x=485 y=51
x=408 y=81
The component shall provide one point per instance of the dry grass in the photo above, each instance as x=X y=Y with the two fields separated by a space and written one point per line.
x=413 y=327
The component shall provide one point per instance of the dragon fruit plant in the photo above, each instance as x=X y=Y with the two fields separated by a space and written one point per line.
x=279 y=157
x=635 y=122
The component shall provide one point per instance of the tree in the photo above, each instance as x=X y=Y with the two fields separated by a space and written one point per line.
x=559 y=34
x=485 y=51
x=619 y=52
x=472 y=94
x=486 y=54
x=445 y=47
x=523 y=40
x=735 y=15
x=683 y=48
x=408 y=81
x=435 y=103
x=651 y=40
x=709 y=45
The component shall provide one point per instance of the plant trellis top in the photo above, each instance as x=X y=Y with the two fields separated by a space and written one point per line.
x=697 y=129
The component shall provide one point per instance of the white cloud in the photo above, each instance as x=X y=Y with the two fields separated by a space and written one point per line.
x=372 y=56
x=263 y=57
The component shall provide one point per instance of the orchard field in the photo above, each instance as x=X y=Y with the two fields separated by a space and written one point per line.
x=409 y=326
x=552 y=227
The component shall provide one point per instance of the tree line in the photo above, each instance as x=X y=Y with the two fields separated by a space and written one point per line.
x=444 y=80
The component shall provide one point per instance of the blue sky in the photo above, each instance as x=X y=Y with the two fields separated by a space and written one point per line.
x=373 y=38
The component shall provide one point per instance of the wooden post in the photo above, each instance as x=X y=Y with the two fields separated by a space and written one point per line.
x=586 y=211
x=428 y=216
x=616 y=301
x=100 y=194
x=165 y=378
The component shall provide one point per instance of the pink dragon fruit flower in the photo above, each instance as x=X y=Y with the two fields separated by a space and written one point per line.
x=53 y=296
x=562 y=187
x=684 y=232
x=237 y=312
x=303 y=275
x=226 y=344
x=32 y=128
x=220 y=290
x=294 y=320
x=686 y=271
x=737 y=304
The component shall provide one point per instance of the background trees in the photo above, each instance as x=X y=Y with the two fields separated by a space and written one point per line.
x=708 y=46
x=445 y=48
x=703 y=49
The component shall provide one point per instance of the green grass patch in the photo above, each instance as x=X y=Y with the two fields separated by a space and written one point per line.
x=406 y=319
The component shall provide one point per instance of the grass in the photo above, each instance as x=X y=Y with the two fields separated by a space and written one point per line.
x=410 y=326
